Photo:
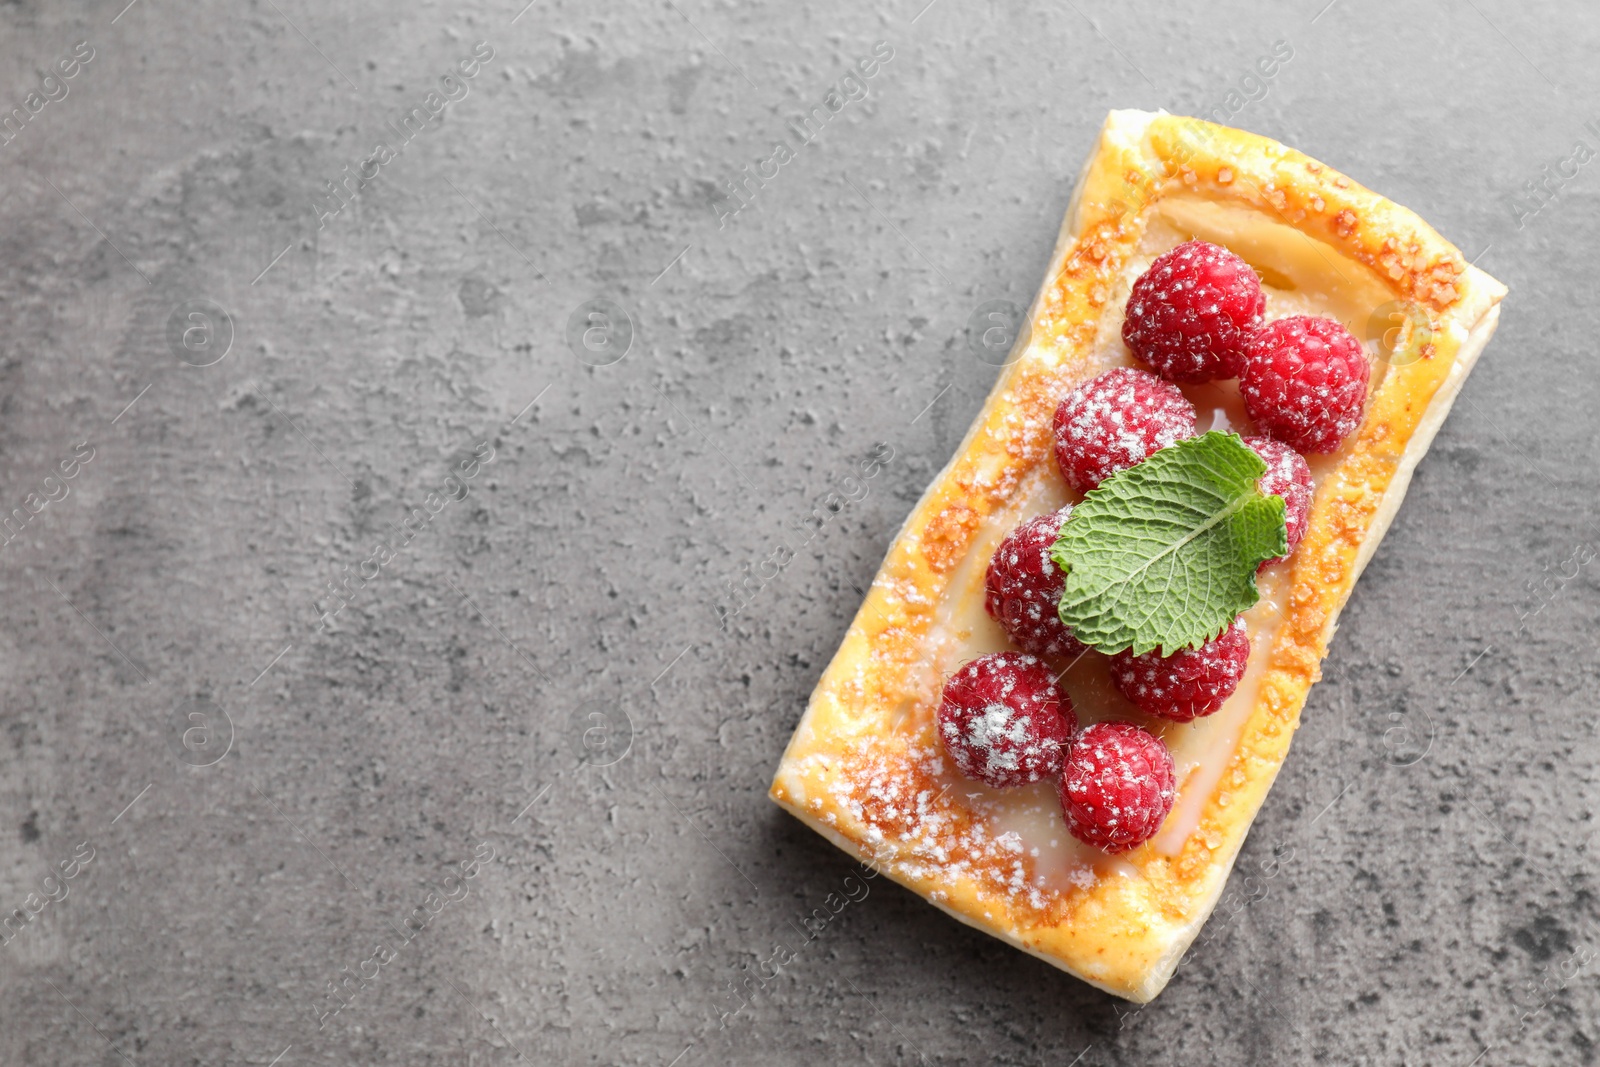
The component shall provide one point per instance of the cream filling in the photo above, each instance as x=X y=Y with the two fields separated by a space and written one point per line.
x=1301 y=276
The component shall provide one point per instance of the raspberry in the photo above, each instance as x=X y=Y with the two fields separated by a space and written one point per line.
x=1289 y=476
x=1117 y=786
x=1305 y=382
x=1188 y=316
x=1004 y=721
x=1109 y=423
x=1022 y=589
x=1187 y=684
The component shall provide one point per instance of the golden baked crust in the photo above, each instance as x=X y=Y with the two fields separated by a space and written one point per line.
x=864 y=768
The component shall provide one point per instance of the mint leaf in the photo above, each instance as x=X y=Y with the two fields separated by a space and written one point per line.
x=1165 y=552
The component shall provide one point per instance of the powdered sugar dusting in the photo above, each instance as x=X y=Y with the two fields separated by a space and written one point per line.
x=1111 y=422
x=1305 y=382
x=1022 y=588
x=1003 y=720
x=926 y=827
x=1118 y=786
x=1289 y=476
x=1000 y=735
x=1190 y=683
x=1189 y=314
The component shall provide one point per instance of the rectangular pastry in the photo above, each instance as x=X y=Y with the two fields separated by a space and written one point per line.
x=866 y=767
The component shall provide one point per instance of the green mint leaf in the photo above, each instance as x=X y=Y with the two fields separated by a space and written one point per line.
x=1165 y=552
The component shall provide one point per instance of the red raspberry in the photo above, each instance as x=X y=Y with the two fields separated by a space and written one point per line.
x=1117 y=786
x=1305 y=382
x=1004 y=721
x=1187 y=684
x=1190 y=313
x=1022 y=590
x=1109 y=423
x=1289 y=476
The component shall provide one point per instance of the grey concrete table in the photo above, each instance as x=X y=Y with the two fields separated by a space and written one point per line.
x=371 y=687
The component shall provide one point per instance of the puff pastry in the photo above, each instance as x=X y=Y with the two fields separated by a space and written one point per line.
x=864 y=767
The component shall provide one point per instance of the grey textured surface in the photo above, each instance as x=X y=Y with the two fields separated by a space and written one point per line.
x=1435 y=899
